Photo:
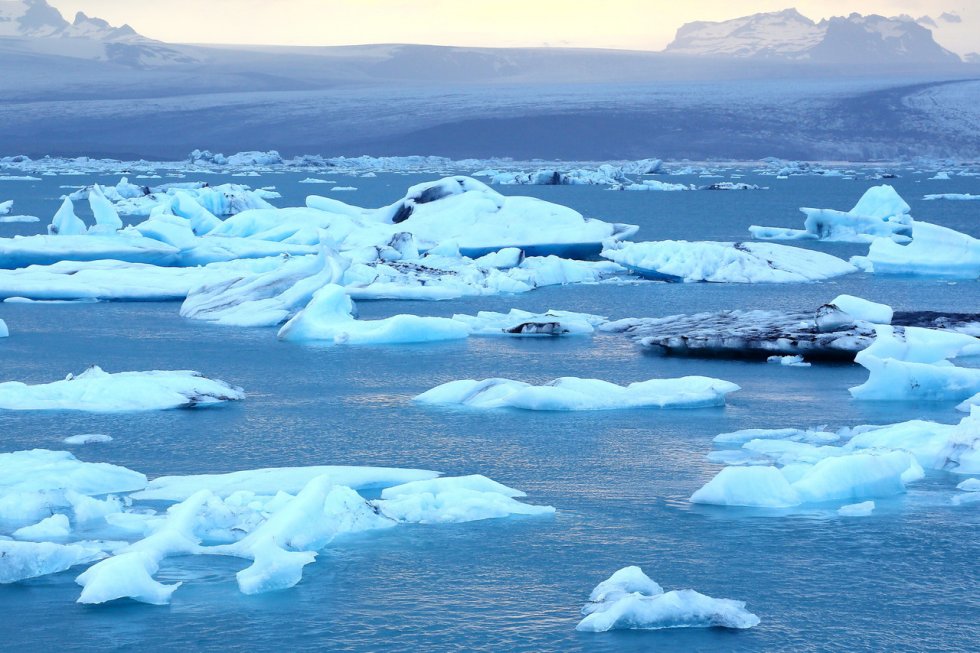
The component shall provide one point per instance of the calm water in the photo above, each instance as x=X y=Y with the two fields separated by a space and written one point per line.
x=903 y=579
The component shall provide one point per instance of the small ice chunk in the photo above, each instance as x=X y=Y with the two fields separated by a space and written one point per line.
x=88 y=438
x=631 y=600
x=970 y=485
x=862 y=509
x=759 y=486
x=54 y=527
x=788 y=361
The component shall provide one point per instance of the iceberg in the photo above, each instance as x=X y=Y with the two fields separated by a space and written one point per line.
x=915 y=365
x=829 y=333
x=784 y=468
x=788 y=361
x=453 y=500
x=6 y=206
x=525 y=323
x=50 y=528
x=329 y=318
x=952 y=196
x=4 y=331
x=87 y=438
x=106 y=218
x=570 y=393
x=881 y=212
x=934 y=252
x=24 y=560
x=629 y=599
x=97 y=391
x=677 y=260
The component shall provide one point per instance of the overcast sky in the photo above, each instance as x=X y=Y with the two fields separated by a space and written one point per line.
x=628 y=24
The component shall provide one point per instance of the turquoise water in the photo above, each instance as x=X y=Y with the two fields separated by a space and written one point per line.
x=904 y=579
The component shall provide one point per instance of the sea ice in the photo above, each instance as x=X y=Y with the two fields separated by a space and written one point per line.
x=934 y=251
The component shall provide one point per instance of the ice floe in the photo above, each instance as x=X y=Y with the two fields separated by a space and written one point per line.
x=95 y=390
x=629 y=599
x=277 y=519
x=571 y=393
x=88 y=438
x=790 y=467
x=676 y=260
x=914 y=364
x=863 y=509
x=881 y=212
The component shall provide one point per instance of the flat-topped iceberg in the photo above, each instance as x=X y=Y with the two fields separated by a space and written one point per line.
x=678 y=260
x=881 y=212
x=95 y=390
x=629 y=599
x=934 y=252
x=829 y=333
x=570 y=393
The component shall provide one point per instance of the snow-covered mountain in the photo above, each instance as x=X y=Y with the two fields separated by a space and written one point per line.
x=792 y=36
x=35 y=26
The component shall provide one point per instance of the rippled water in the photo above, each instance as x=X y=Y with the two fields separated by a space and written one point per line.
x=904 y=579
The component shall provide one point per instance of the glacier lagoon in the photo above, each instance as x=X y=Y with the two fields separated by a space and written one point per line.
x=903 y=578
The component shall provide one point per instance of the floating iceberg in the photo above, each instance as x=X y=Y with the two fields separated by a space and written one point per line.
x=87 y=438
x=524 y=323
x=329 y=318
x=789 y=467
x=880 y=212
x=829 y=333
x=23 y=560
x=97 y=391
x=571 y=393
x=952 y=196
x=6 y=206
x=788 y=361
x=629 y=599
x=934 y=251
x=914 y=365
x=453 y=500
x=50 y=528
x=677 y=260
x=4 y=331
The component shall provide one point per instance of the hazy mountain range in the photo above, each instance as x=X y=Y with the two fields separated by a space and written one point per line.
x=769 y=84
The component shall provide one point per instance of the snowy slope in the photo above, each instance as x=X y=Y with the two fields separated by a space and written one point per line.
x=790 y=35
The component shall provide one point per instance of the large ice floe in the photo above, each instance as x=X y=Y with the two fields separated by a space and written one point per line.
x=786 y=468
x=276 y=519
x=184 y=228
x=881 y=212
x=629 y=599
x=934 y=251
x=570 y=393
x=95 y=390
x=914 y=365
x=678 y=260
x=837 y=330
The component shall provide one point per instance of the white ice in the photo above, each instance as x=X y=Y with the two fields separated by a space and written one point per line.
x=881 y=212
x=788 y=361
x=23 y=560
x=97 y=391
x=631 y=600
x=934 y=252
x=863 y=509
x=570 y=393
x=677 y=260
x=88 y=438
x=329 y=318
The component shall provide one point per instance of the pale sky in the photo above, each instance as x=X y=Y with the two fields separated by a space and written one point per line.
x=623 y=24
